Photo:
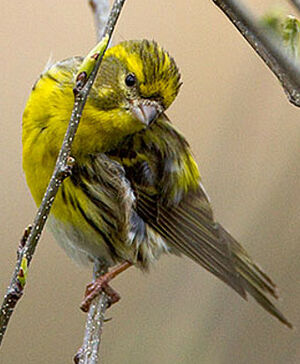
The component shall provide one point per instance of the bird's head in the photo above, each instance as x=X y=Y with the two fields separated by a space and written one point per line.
x=139 y=79
x=136 y=82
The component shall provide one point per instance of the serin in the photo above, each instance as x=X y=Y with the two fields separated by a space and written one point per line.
x=135 y=191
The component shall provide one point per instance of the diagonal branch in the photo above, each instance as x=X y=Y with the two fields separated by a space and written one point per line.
x=62 y=169
x=296 y=3
x=284 y=68
x=100 y=9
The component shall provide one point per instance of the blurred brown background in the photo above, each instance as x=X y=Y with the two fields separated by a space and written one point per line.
x=246 y=138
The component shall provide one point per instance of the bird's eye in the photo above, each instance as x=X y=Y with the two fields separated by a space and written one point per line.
x=130 y=80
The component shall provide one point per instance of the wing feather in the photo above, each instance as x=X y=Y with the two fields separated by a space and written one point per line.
x=171 y=200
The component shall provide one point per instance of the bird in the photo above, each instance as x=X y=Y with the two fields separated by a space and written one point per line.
x=135 y=190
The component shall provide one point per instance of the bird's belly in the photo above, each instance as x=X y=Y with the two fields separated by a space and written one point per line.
x=82 y=246
x=142 y=246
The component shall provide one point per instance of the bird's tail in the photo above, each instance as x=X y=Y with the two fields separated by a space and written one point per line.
x=252 y=278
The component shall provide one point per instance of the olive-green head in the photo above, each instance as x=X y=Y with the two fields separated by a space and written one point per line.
x=137 y=77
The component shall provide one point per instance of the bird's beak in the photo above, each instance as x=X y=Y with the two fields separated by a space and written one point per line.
x=146 y=112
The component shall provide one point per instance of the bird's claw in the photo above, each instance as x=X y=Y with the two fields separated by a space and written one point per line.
x=93 y=289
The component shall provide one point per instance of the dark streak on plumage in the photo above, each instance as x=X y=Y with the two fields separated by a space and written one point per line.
x=79 y=175
x=91 y=222
x=63 y=194
x=43 y=129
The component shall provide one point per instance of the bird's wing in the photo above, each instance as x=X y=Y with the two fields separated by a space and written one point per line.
x=170 y=198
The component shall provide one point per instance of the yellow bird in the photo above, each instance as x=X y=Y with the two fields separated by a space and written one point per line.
x=135 y=191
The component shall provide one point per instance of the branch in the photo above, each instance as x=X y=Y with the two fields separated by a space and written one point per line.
x=89 y=352
x=284 y=68
x=296 y=3
x=62 y=169
x=100 y=9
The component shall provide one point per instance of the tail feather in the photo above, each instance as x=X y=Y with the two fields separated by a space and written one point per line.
x=189 y=228
x=253 y=279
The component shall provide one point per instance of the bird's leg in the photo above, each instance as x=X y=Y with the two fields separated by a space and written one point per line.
x=101 y=284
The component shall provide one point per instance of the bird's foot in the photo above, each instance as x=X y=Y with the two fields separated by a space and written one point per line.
x=100 y=284
x=94 y=289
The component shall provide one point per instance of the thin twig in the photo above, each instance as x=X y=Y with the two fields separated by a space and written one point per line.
x=296 y=3
x=101 y=11
x=284 y=68
x=89 y=351
x=62 y=170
